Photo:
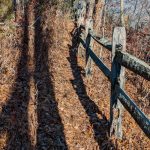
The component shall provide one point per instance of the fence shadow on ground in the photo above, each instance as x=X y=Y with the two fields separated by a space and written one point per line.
x=14 y=116
x=50 y=132
x=100 y=126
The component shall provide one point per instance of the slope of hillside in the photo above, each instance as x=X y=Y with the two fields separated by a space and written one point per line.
x=45 y=100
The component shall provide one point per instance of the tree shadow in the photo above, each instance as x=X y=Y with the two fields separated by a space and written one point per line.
x=50 y=131
x=14 y=115
x=100 y=126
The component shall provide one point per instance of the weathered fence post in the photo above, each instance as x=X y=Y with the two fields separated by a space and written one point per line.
x=89 y=44
x=80 y=47
x=118 y=79
x=81 y=12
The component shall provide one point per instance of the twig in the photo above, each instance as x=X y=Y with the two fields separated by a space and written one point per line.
x=2 y=23
x=145 y=96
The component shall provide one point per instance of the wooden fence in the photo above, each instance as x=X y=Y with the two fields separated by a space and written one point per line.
x=120 y=60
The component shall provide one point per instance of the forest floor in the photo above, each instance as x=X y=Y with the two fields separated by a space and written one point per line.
x=45 y=100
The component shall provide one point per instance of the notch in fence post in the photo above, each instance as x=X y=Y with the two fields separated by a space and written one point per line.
x=118 y=79
x=89 y=45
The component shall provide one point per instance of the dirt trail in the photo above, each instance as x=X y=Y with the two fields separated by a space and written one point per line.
x=51 y=105
x=48 y=106
x=86 y=126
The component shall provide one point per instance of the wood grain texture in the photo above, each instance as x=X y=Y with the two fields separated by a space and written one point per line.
x=134 y=64
x=117 y=79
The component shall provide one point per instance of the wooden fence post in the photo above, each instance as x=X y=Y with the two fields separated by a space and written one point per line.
x=89 y=44
x=118 y=79
x=80 y=47
x=81 y=12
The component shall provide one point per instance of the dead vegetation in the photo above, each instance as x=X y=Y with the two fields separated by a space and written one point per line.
x=45 y=100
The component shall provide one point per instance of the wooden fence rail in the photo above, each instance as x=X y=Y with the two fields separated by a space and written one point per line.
x=125 y=59
x=120 y=60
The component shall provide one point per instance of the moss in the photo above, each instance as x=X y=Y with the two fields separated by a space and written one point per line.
x=5 y=9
